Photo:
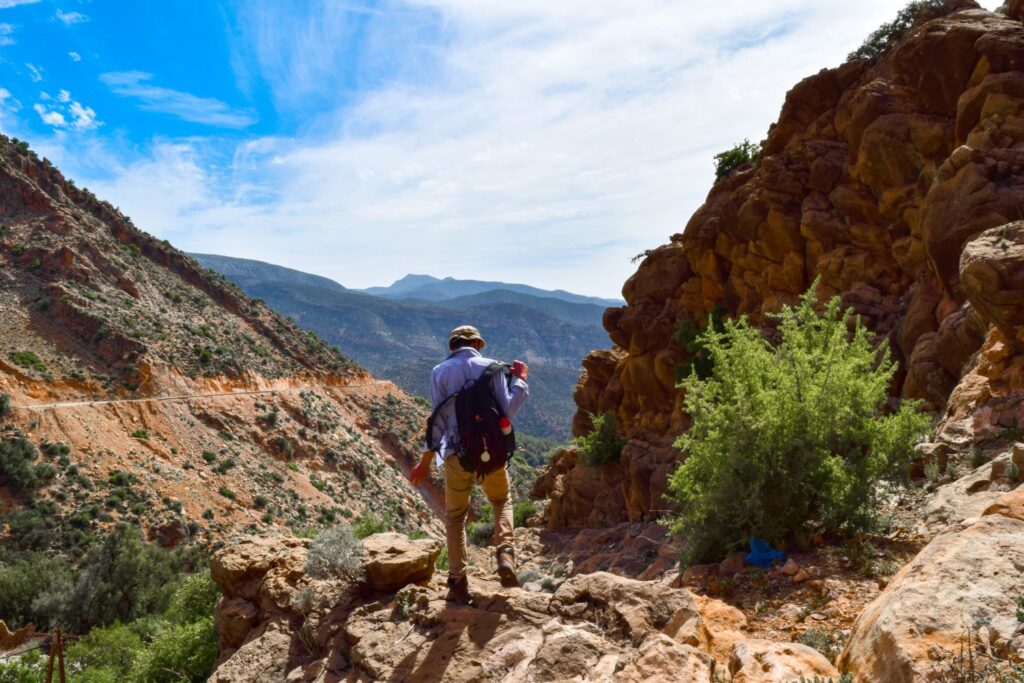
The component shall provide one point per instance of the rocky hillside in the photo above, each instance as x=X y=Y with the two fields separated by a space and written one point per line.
x=879 y=181
x=159 y=394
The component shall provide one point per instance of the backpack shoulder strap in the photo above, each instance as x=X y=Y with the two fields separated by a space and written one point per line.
x=430 y=421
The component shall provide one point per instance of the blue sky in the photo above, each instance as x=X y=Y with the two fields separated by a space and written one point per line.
x=531 y=141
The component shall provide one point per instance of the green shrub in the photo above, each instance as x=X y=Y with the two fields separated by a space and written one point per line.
x=29 y=668
x=688 y=336
x=728 y=161
x=32 y=591
x=227 y=493
x=209 y=456
x=335 y=553
x=141 y=434
x=788 y=441
x=522 y=511
x=603 y=444
x=18 y=468
x=369 y=524
x=480 y=533
x=5 y=405
x=179 y=652
x=193 y=600
x=121 y=579
x=28 y=360
x=890 y=33
x=110 y=649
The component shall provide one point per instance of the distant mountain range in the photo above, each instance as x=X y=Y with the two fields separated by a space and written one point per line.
x=398 y=333
x=430 y=288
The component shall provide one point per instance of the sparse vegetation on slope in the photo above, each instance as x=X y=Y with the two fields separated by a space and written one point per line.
x=789 y=441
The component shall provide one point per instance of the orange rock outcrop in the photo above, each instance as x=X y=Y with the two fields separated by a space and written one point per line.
x=873 y=180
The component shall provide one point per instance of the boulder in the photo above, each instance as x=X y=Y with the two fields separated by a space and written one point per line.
x=628 y=608
x=992 y=277
x=763 y=661
x=965 y=578
x=393 y=560
x=1009 y=505
x=663 y=660
x=967 y=497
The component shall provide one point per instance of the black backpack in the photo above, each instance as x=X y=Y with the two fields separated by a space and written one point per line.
x=485 y=448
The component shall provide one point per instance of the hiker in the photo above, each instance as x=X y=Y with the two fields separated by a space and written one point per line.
x=464 y=463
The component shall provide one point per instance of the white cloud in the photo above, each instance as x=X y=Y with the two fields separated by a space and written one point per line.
x=65 y=112
x=75 y=57
x=6 y=4
x=82 y=118
x=536 y=141
x=208 y=111
x=50 y=117
x=6 y=34
x=69 y=18
x=35 y=72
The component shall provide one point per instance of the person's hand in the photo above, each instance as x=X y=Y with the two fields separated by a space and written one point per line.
x=419 y=474
x=520 y=369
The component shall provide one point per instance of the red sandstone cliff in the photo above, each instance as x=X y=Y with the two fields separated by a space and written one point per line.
x=875 y=177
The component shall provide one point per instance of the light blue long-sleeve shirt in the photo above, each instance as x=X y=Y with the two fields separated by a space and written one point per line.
x=458 y=370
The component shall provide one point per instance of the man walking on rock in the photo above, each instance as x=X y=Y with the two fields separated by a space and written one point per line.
x=463 y=366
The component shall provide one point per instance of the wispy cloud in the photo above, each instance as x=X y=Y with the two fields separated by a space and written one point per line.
x=186 y=106
x=63 y=112
x=34 y=72
x=549 y=141
x=6 y=34
x=75 y=57
x=70 y=18
x=6 y=4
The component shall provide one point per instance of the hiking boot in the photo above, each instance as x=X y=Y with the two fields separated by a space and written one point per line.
x=507 y=568
x=458 y=591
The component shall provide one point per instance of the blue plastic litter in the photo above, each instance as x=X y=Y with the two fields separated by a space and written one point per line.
x=762 y=554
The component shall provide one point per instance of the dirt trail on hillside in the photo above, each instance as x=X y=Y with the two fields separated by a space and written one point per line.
x=184 y=397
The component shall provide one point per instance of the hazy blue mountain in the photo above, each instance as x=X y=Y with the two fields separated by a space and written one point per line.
x=239 y=269
x=435 y=289
x=402 y=340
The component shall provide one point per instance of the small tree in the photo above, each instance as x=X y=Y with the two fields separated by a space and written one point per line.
x=726 y=162
x=889 y=33
x=5 y=405
x=788 y=441
x=603 y=444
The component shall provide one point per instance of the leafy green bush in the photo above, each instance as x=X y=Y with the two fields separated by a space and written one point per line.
x=121 y=579
x=522 y=511
x=689 y=338
x=28 y=360
x=108 y=649
x=789 y=441
x=194 y=599
x=603 y=444
x=5 y=405
x=179 y=652
x=728 y=161
x=32 y=590
x=369 y=524
x=888 y=34
x=17 y=465
x=335 y=553
x=480 y=533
